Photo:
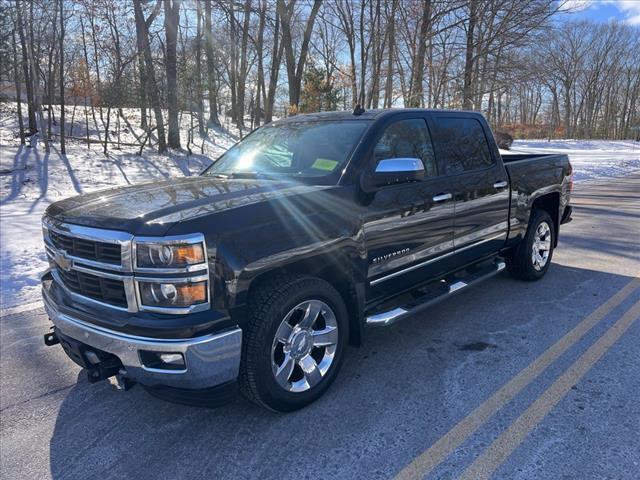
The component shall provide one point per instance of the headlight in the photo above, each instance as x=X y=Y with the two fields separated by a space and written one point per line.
x=171 y=294
x=174 y=255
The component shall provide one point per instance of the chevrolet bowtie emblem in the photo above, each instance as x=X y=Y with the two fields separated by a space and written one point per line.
x=62 y=260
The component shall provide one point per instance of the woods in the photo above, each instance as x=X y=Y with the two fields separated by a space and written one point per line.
x=528 y=66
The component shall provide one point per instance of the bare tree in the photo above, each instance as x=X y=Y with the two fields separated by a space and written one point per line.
x=61 y=72
x=29 y=82
x=295 y=67
x=171 y=18
x=211 y=82
x=142 y=33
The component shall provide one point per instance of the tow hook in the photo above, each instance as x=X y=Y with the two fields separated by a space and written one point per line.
x=120 y=382
x=51 y=339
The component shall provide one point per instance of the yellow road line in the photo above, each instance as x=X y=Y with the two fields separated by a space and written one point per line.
x=505 y=444
x=436 y=453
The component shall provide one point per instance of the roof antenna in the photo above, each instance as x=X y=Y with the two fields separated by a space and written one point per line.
x=358 y=110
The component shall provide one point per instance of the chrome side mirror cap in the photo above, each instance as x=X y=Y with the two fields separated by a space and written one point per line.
x=399 y=165
x=391 y=171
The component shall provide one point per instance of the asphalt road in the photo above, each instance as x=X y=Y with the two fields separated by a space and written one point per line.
x=512 y=380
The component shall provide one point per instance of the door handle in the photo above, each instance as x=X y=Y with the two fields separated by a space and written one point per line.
x=500 y=184
x=442 y=197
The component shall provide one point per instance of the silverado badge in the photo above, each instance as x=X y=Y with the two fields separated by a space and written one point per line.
x=389 y=256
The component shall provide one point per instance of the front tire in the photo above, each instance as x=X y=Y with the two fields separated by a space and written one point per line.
x=294 y=343
x=531 y=259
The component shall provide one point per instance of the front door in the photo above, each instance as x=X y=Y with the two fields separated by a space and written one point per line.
x=408 y=227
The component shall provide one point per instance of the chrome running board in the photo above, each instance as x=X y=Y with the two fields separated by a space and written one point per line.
x=391 y=316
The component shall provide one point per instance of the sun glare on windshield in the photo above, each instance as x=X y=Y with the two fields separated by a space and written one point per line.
x=301 y=149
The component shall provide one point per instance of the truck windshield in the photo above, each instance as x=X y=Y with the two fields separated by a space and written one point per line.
x=296 y=149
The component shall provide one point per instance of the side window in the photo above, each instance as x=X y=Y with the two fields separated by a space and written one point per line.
x=407 y=139
x=463 y=144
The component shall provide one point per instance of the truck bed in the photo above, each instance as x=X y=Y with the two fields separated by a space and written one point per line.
x=532 y=175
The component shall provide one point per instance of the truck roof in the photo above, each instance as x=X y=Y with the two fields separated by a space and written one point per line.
x=366 y=115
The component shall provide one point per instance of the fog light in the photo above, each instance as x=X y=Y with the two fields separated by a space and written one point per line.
x=162 y=360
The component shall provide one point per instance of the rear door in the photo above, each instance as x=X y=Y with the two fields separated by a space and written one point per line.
x=479 y=181
x=408 y=227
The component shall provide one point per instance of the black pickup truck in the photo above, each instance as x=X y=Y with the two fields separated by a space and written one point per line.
x=261 y=270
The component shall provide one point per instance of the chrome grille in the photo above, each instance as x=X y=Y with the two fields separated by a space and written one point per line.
x=91 y=264
x=103 y=289
x=91 y=250
x=97 y=266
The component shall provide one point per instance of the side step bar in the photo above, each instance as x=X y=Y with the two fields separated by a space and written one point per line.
x=389 y=317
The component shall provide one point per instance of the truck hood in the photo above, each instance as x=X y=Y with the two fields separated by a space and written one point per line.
x=152 y=208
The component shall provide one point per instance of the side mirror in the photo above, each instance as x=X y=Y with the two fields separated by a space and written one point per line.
x=391 y=171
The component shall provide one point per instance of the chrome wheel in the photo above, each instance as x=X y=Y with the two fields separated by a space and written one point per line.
x=541 y=246
x=304 y=346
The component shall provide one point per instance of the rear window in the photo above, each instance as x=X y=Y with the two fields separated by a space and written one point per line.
x=463 y=144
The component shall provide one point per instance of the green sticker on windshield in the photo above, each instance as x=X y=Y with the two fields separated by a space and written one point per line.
x=324 y=164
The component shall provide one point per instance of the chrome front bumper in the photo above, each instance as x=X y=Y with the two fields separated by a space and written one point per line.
x=210 y=360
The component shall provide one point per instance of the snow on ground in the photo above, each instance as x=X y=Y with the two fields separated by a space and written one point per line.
x=30 y=180
x=590 y=158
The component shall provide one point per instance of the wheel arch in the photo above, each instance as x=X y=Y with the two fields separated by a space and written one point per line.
x=340 y=275
x=550 y=203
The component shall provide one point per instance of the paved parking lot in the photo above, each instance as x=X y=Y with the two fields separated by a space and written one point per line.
x=509 y=380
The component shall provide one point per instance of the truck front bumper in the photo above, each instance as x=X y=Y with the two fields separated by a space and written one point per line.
x=207 y=361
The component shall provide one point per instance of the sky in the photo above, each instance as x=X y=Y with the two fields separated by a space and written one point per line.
x=627 y=11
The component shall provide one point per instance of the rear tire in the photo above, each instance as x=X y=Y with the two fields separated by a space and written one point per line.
x=531 y=259
x=294 y=343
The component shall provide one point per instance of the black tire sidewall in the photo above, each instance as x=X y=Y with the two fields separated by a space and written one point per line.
x=269 y=391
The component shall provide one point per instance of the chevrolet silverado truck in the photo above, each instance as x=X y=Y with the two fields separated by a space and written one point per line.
x=257 y=273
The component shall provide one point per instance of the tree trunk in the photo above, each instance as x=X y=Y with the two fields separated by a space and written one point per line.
x=417 y=68
x=171 y=17
x=213 y=104
x=16 y=75
x=276 y=59
x=142 y=30
x=31 y=109
x=233 y=70
x=63 y=148
x=467 y=89
x=388 y=90
x=50 y=88
x=198 y=89
x=363 y=57
x=241 y=78
x=295 y=69
x=96 y=61
x=143 y=80
x=259 y=48
x=33 y=68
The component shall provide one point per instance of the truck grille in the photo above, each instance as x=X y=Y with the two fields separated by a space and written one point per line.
x=95 y=265
x=89 y=249
x=98 y=288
